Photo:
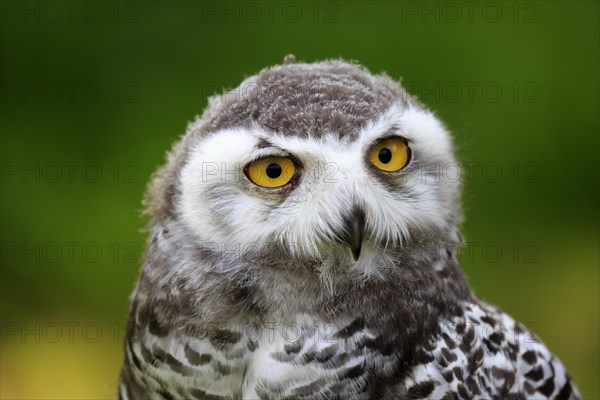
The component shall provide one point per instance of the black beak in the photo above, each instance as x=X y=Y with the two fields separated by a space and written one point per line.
x=353 y=231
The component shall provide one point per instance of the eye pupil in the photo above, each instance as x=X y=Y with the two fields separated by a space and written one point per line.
x=385 y=155
x=273 y=170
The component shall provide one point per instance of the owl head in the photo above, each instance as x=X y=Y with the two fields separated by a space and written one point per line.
x=321 y=165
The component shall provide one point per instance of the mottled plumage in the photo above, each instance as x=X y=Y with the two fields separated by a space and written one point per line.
x=342 y=283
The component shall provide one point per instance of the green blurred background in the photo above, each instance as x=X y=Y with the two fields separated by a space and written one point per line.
x=93 y=94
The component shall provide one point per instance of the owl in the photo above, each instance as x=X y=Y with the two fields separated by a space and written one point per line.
x=303 y=245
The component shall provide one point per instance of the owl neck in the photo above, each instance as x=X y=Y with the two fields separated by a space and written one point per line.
x=414 y=284
x=417 y=285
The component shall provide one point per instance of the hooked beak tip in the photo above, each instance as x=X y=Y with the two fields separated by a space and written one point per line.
x=356 y=253
x=354 y=231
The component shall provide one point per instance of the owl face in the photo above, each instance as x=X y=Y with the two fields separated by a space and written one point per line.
x=319 y=162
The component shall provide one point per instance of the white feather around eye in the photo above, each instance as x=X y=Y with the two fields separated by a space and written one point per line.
x=220 y=205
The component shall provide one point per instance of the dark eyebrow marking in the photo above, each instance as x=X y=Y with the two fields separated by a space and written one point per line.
x=394 y=128
x=264 y=144
x=394 y=131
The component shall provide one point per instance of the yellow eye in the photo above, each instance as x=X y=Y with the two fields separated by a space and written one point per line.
x=390 y=154
x=271 y=172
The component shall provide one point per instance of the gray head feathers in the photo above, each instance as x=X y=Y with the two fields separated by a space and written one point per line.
x=332 y=97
